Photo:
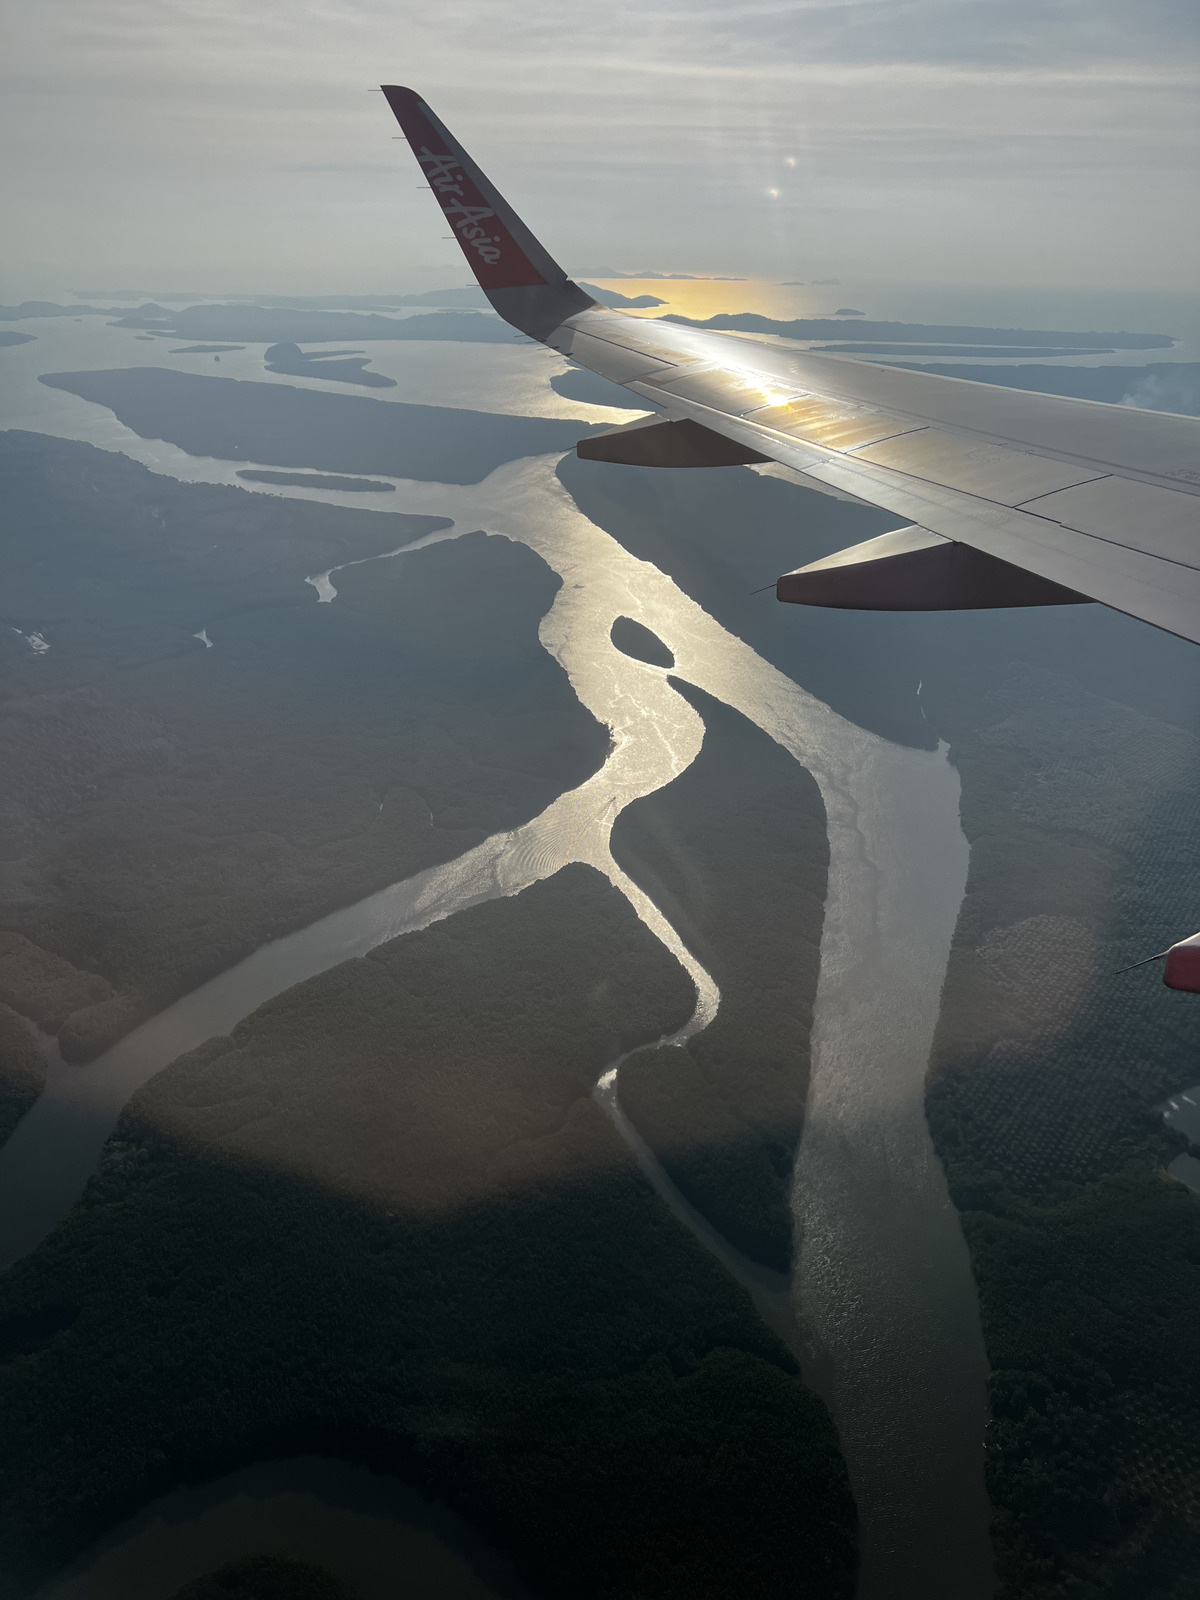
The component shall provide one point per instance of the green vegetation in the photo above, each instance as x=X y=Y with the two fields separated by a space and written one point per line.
x=1083 y=815
x=266 y=1578
x=170 y=808
x=286 y=426
x=318 y=480
x=734 y=852
x=385 y=1220
x=324 y=364
x=44 y=987
x=22 y=1071
x=1080 y=804
x=640 y=643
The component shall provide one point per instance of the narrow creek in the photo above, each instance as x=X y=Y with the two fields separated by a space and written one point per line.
x=882 y=1305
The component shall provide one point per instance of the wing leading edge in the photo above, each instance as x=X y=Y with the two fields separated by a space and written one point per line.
x=1010 y=498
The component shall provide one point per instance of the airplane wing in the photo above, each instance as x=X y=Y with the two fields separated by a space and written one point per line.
x=1008 y=498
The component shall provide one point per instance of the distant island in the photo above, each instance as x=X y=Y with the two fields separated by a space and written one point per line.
x=635 y=640
x=334 y=366
x=467 y=295
x=250 y=324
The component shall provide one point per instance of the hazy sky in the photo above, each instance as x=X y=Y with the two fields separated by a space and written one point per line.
x=202 y=144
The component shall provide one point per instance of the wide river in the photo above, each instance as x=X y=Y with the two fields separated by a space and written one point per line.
x=881 y=1305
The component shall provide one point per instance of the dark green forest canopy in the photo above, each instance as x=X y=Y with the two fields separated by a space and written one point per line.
x=283 y=425
x=1083 y=815
x=172 y=807
x=22 y=1069
x=317 y=480
x=734 y=852
x=352 y=368
x=385 y=1220
x=266 y=1578
x=640 y=643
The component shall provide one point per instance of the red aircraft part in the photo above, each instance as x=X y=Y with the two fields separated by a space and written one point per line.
x=1182 y=970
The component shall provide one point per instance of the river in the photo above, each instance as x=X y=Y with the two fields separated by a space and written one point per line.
x=883 y=1306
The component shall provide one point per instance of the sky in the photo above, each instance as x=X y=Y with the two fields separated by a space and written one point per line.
x=211 y=146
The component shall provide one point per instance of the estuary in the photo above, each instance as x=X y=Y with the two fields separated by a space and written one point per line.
x=882 y=1303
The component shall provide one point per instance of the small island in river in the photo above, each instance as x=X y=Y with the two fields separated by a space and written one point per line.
x=317 y=480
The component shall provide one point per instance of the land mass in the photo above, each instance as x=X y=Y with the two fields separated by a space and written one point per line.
x=22 y=1069
x=287 y=426
x=170 y=808
x=266 y=325
x=467 y=295
x=291 y=359
x=635 y=640
x=318 y=480
x=1081 y=809
x=734 y=853
x=266 y=1578
x=386 y=1220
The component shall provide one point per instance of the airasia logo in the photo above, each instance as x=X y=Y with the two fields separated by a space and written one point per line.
x=446 y=180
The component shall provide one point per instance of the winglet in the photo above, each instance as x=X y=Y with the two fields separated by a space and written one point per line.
x=519 y=276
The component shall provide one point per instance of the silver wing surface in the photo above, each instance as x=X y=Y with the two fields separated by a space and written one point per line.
x=1007 y=497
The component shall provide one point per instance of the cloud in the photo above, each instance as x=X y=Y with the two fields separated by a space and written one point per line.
x=973 y=137
x=1167 y=390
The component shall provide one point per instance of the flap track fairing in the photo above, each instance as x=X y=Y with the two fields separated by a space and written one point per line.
x=915 y=570
x=658 y=442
